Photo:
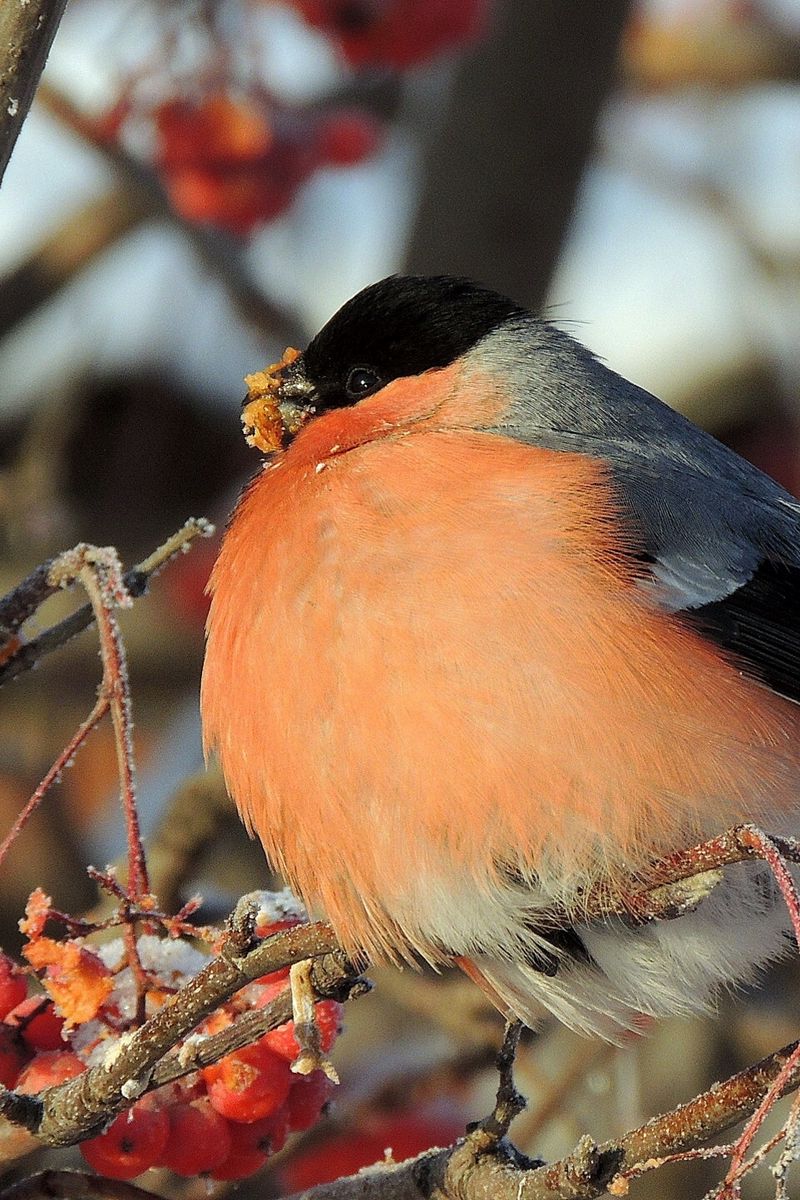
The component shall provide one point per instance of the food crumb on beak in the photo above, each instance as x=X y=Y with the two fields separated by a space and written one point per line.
x=261 y=418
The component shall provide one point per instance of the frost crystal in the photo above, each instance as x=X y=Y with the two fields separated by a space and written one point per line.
x=278 y=906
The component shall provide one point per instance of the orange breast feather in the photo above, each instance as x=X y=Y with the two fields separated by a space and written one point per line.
x=430 y=658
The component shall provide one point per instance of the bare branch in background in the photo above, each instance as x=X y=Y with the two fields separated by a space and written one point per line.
x=80 y=238
x=221 y=254
x=502 y=170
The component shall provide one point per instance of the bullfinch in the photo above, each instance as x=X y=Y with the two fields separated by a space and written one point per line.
x=495 y=630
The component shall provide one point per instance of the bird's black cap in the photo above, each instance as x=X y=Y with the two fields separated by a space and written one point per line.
x=400 y=326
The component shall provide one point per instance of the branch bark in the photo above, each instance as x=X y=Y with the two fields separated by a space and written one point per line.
x=503 y=169
x=26 y=35
x=462 y=1172
x=20 y=603
x=75 y=1110
x=74 y=1185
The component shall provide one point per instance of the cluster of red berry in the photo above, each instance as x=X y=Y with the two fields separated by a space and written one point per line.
x=237 y=162
x=30 y=1033
x=395 y=33
x=223 y=1121
x=236 y=158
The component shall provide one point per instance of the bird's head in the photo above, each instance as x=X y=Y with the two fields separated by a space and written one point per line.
x=400 y=328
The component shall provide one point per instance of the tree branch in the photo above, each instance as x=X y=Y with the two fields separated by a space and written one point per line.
x=76 y=1109
x=26 y=35
x=466 y=1172
x=27 y=596
x=74 y=1185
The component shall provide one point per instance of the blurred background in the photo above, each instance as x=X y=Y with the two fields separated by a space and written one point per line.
x=203 y=182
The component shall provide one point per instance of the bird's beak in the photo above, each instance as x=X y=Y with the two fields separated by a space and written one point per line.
x=278 y=403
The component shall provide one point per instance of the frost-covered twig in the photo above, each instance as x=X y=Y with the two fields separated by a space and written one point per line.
x=592 y=1170
x=72 y=1111
x=26 y=597
x=99 y=570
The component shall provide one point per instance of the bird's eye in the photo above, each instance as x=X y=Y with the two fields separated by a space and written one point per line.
x=361 y=382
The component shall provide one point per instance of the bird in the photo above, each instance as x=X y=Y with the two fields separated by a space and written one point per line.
x=494 y=630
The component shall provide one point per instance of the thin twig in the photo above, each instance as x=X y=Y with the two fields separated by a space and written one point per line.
x=136 y=582
x=63 y=760
x=489 y=1132
x=100 y=573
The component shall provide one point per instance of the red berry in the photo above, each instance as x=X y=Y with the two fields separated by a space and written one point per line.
x=306 y=1100
x=347 y=137
x=251 y=1145
x=396 y=33
x=329 y=1022
x=274 y=978
x=133 y=1142
x=38 y=1022
x=240 y=1163
x=12 y=1056
x=265 y=931
x=48 y=1068
x=219 y=129
x=13 y=985
x=234 y=199
x=344 y=1154
x=198 y=1138
x=249 y=1084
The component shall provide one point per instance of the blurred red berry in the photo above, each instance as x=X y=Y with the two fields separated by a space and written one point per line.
x=38 y=1022
x=239 y=199
x=396 y=33
x=49 y=1068
x=13 y=985
x=224 y=164
x=249 y=1084
x=308 y=1096
x=133 y=1142
x=185 y=583
x=347 y=137
x=198 y=1139
x=218 y=129
x=329 y=1022
x=12 y=1056
x=345 y=1153
x=251 y=1145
